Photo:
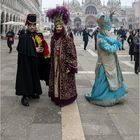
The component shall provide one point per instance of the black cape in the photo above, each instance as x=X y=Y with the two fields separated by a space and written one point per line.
x=27 y=79
x=44 y=66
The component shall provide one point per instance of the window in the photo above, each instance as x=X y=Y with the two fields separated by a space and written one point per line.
x=91 y=10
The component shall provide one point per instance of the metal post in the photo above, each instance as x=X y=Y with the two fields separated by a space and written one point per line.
x=63 y=2
x=68 y=4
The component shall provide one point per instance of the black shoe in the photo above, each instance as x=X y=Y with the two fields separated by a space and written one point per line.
x=123 y=49
x=24 y=101
x=35 y=96
x=136 y=72
x=10 y=50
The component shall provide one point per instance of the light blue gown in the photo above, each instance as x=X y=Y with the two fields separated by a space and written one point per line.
x=105 y=91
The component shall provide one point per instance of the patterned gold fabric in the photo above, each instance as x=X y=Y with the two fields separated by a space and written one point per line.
x=62 y=85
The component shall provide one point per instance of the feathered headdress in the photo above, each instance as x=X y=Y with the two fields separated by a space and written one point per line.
x=104 y=21
x=59 y=15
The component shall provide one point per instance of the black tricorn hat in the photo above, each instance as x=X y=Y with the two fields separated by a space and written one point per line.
x=31 y=19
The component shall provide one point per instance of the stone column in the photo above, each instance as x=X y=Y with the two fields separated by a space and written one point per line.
x=4 y=27
x=139 y=14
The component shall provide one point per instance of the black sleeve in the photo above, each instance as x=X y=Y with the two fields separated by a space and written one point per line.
x=128 y=40
x=26 y=46
x=89 y=35
x=19 y=32
x=71 y=35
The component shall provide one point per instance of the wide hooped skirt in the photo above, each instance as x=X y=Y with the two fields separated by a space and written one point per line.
x=101 y=94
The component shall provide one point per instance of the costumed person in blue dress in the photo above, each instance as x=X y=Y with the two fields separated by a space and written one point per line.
x=109 y=87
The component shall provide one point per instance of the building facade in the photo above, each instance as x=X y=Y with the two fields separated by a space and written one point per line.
x=85 y=14
x=136 y=7
x=17 y=10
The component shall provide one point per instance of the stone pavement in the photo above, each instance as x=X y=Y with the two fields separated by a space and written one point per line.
x=79 y=121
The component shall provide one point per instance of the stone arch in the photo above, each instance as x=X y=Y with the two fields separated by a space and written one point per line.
x=22 y=20
x=90 y=21
x=2 y=17
x=18 y=18
x=10 y=17
x=91 y=10
x=2 y=21
x=123 y=12
x=130 y=20
x=7 y=19
x=123 y=21
x=14 y=18
x=77 y=22
x=116 y=21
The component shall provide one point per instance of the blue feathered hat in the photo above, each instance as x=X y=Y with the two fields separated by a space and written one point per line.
x=104 y=21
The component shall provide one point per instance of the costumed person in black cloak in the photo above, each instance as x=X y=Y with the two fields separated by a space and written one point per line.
x=27 y=80
x=44 y=63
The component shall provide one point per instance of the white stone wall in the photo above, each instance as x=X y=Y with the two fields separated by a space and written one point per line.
x=17 y=10
x=136 y=7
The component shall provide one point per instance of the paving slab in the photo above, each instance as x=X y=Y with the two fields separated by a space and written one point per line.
x=45 y=132
x=49 y=115
x=130 y=137
x=88 y=137
x=127 y=124
x=97 y=124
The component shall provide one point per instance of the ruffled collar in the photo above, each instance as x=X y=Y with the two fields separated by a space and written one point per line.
x=59 y=35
